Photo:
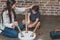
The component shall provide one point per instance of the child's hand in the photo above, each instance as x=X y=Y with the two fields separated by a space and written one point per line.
x=37 y=19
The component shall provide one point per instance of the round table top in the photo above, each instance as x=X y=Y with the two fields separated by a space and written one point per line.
x=27 y=36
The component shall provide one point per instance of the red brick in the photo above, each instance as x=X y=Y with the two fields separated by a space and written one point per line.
x=46 y=7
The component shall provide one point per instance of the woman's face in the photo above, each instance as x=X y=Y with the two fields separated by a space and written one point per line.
x=13 y=6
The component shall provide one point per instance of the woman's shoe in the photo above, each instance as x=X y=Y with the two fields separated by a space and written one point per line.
x=0 y=31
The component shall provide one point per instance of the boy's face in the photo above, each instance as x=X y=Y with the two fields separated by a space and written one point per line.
x=34 y=12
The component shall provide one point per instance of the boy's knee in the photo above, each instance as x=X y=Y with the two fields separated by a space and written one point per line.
x=30 y=26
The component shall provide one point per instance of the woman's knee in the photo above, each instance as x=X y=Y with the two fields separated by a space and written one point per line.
x=14 y=34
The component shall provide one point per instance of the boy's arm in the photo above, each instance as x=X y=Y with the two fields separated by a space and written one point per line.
x=37 y=20
x=28 y=18
x=34 y=23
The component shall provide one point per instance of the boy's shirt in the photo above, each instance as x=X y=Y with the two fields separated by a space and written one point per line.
x=33 y=17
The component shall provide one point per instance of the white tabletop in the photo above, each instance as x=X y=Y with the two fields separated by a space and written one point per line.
x=26 y=35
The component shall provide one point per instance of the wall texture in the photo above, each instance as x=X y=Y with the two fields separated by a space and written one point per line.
x=47 y=7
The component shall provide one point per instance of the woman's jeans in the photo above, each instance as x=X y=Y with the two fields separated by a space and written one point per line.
x=12 y=33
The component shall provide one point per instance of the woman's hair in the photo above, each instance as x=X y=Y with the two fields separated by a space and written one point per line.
x=35 y=8
x=9 y=4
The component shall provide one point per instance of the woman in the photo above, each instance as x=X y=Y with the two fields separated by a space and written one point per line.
x=9 y=22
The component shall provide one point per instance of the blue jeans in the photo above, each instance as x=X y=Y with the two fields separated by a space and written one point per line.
x=12 y=33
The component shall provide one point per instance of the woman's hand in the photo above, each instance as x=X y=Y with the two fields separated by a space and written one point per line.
x=27 y=8
x=15 y=24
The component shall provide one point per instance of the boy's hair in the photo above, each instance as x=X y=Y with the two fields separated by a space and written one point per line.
x=36 y=8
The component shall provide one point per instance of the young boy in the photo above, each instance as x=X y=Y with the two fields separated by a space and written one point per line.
x=33 y=17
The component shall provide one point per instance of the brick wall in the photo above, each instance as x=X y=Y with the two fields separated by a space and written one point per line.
x=47 y=7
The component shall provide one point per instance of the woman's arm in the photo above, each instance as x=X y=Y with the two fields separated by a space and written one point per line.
x=20 y=10
x=27 y=8
x=9 y=25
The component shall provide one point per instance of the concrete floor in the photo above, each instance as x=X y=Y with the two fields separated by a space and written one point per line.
x=48 y=23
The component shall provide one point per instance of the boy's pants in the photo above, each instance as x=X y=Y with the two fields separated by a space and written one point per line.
x=12 y=33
